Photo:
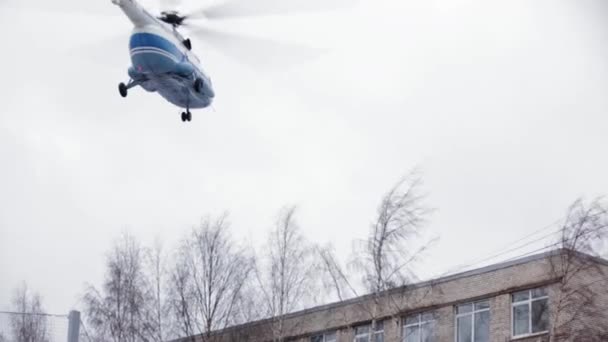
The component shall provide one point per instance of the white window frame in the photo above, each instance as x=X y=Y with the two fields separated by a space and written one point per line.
x=418 y=324
x=472 y=314
x=529 y=303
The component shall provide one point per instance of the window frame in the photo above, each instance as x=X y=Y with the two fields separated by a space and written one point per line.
x=324 y=335
x=418 y=324
x=371 y=332
x=529 y=302
x=374 y=332
x=470 y=313
x=368 y=333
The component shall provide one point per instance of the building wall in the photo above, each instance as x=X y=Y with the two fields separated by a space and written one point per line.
x=575 y=319
x=495 y=284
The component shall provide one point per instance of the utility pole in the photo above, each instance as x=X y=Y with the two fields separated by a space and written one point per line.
x=73 y=326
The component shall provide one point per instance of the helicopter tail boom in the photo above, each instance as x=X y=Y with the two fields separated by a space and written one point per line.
x=135 y=12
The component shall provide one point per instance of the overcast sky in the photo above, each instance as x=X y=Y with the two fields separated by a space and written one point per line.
x=502 y=104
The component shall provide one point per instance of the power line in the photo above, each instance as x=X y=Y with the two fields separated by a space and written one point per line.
x=533 y=252
x=516 y=248
x=32 y=314
x=503 y=251
x=550 y=225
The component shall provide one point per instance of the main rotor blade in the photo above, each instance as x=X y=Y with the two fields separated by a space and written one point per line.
x=259 y=53
x=249 y=8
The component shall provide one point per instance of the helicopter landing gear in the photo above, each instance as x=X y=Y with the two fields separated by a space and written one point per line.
x=186 y=116
x=123 y=89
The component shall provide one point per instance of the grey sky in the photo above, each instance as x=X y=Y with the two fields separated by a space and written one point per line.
x=501 y=103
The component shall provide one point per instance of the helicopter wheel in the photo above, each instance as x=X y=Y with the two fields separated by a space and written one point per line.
x=123 y=90
x=186 y=116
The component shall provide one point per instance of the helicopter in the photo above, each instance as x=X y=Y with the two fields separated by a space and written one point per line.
x=162 y=60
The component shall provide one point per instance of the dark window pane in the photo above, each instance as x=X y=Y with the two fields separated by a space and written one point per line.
x=316 y=338
x=464 y=329
x=379 y=337
x=521 y=320
x=482 y=305
x=540 y=315
x=520 y=296
x=412 y=334
x=363 y=329
x=482 y=326
x=464 y=308
x=379 y=326
x=330 y=337
x=536 y=293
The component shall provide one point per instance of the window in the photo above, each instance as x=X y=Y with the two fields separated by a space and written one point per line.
x=379 y=332
x=330 y=336
x=530 y=312
x=473 y=322
x=364 y=333
x=419 y=328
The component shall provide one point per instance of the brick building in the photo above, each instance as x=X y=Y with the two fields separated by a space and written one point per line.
x=524 y=300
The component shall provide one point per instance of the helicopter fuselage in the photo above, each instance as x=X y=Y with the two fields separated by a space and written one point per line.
x=162 y=62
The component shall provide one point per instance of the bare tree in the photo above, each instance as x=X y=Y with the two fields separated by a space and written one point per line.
x=30 y=322
x=581 y=274
x=208 y=279
x=389 y=251
x=181 y=297
x=286 y=273
x=156 y=268
x=334 y=276
x=385 y=259
x=120 y=311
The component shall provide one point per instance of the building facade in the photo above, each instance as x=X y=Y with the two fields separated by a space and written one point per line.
x=534 y=298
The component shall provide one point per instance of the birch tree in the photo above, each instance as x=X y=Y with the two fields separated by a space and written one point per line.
x=181 y=297
x=385 y=259
x=120 y=310
x=157 y=278
x=583 y=276
x=209 y=278
x=286 y=272
x=30 y=322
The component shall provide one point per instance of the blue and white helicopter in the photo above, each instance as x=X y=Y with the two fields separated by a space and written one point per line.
x=162 y=60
